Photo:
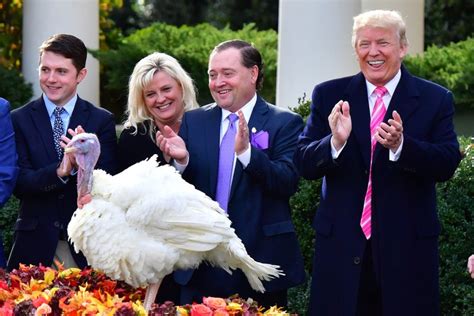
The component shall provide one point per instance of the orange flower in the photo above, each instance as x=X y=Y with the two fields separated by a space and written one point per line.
x=7 y=308
x=276 y=311
x=43 y=309
x=181 y=311
x=3 y=285
x=214 y=302
x=221 y=312
x=200 y=310
x=235 y=307
x=40 y=301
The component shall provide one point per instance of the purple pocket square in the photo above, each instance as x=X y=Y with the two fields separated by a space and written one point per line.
x=259 y=140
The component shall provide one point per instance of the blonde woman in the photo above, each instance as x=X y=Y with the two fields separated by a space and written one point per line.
x=160 y=91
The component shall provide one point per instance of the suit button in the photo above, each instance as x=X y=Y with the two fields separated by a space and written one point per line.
x=57 y=224
x=356 y=260
x=366 y=171
x=61 y=196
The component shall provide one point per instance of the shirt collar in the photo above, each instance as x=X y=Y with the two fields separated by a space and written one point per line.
x=246 y=109
x=50 y=106
x=390 y=86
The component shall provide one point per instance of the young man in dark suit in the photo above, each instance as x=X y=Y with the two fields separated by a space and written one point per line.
x=380 y=140
x=261 y=175
x=46 y=183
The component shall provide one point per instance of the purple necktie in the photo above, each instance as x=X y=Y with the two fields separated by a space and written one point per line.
x=58 y=130
x=226 y=162
x=378 y=113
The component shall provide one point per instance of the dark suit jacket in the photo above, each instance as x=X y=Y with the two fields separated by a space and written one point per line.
x=259 y=201
x=134 y=148
x=8 y=165
x=46 y=203
x=405 y=225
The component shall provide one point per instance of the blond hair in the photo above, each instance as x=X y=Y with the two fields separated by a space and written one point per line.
x=380 y=18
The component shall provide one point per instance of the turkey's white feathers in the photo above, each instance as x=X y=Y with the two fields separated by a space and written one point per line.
x=146 y=221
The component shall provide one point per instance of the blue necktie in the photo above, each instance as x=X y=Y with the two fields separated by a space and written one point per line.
x=226 y=162
x=58 y=130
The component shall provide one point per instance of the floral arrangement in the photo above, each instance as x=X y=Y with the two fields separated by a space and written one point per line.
x=38 y=290
x=232 y=306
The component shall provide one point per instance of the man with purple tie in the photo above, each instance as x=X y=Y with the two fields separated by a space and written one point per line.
x=239 y=151
x=380 y=140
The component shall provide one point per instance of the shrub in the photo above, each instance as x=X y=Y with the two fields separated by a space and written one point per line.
x=13 y=87
x=191 y=46
x=456 y=211
x=305 y=202
x=451 y=66
x=8 y=215
x=303 y=205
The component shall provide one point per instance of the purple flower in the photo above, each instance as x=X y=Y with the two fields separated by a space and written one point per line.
x=259 y=139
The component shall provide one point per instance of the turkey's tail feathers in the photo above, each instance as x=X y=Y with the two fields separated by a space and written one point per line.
x=254 y=271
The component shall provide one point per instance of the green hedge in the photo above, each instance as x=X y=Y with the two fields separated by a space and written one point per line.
x=13 y=87
x=451 y=66
x=456 y=210
x=191 y=45
x=8 y=215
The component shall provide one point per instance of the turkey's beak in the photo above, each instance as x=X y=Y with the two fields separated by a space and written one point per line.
x=68 y=150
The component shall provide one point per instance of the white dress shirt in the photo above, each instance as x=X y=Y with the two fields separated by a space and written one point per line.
x=371 y=96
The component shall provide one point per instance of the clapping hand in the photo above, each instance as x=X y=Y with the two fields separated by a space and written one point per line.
x=390 y=135
x=242 y=137
x=69 y=162
x=340 y=123
x=470 y=265
x=172 y=145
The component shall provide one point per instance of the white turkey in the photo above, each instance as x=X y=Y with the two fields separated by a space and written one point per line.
x=146 y=222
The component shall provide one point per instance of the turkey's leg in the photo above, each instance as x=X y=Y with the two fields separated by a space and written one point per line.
x=150 y=295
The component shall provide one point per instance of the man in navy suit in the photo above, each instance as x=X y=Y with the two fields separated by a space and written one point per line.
x=263 y=175
x=383 y=261
x=8 y=164
x=46 y=183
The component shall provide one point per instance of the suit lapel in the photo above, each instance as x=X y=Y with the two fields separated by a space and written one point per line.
x=80 y=115
x=257 y=120
x=404 y=101
x=259 y=115
x=211 y=140
x=405 y=97
x=42 y=123
x=356 y=94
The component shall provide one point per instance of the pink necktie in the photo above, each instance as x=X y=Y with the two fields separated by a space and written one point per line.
x=377 y=117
